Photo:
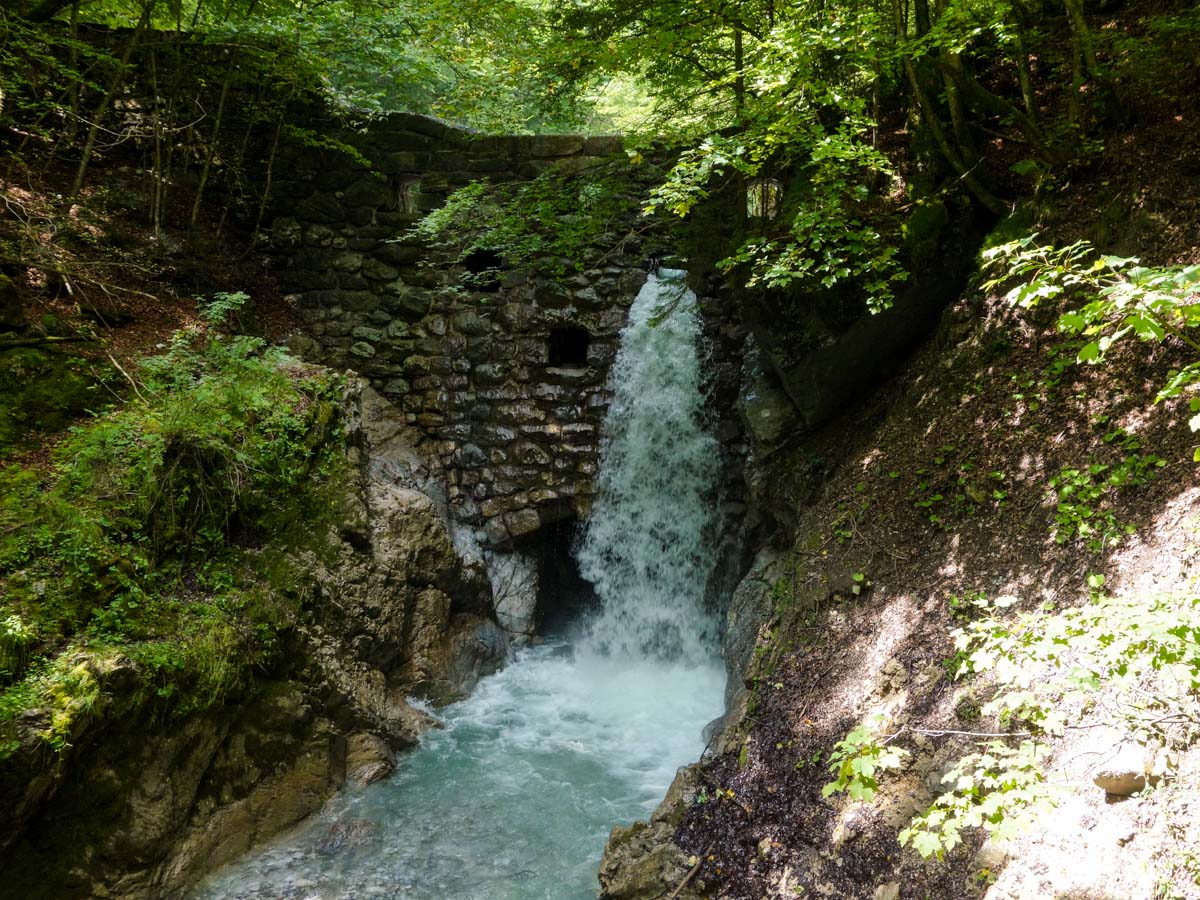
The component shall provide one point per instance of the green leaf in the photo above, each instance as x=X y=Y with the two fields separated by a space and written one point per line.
x=927 y=844
x=1072 y=322
x=1119 y=262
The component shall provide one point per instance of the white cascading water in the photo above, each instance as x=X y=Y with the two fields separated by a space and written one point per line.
x=513 y=799
x=647 y=547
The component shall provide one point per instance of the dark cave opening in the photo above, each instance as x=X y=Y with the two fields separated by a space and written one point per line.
x=564 y=596
x=483 y=267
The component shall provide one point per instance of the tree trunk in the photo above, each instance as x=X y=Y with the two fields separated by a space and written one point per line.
x=965 y=172
x=952 y=78
x=266 y=194
x=921 y=14
x=211 y=150
x=75 y=95
x=157 y=170
x=983 y=99
x=118 y=80
x=1024 y=76
x=1083 y=38
x=739 y=77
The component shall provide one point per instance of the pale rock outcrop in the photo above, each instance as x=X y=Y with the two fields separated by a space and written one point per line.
x=641 y=861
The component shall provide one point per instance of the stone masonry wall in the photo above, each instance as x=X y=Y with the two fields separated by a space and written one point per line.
x=517 y=437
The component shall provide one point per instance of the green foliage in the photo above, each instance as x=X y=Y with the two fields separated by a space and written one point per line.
x=948 y=488
x=821 y=237
x=16 y=637
x=794 y=92
x=966 y=607
x=828 y=239
x=128 y=552
x=1146 y=651
x=550 y=222
x=474 y=62
x=37 y=63
x=856 y=760
x=71 y=692
x=1083 y=497
x=1001 y=789
x=1111 y=299
x=1142 y=655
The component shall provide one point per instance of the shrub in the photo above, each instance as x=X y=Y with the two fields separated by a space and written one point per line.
x=133 y=546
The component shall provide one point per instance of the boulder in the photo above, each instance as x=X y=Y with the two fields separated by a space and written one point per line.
x=368 y=758
x=642 y=861
x=44 y=391
x=767 y=411
x=1123 y=771
x=514 y=579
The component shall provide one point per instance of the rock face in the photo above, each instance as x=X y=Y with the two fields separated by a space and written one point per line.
x=139 y=812
x=369 y=758
x=514 y=578
x=750 y=609
x=641 y=860
x=400 y=601
x=12 y=314
x=140 y=809
x=767 y=410
x=844 y=359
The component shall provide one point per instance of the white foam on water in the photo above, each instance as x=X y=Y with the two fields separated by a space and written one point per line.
x=514 y=798
x=648 y=543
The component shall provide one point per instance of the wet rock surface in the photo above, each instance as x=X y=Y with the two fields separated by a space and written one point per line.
x=641 y=861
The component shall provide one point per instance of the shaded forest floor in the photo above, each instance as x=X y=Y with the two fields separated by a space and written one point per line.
x=97 y=282
x=939 y=492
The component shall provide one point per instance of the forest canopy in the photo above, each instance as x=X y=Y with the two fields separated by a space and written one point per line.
x=852 y=113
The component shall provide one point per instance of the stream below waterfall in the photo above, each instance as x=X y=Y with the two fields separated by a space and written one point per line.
x=514 y=797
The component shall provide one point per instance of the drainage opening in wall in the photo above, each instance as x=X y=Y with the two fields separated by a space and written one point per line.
x=564 y=596
x=483 y=267
x=569 y=347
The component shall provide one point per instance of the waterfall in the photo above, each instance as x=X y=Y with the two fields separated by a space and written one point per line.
x=513 y=798
x=647 y=545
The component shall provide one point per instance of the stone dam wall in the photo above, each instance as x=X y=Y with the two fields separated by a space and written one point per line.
x=505 y=382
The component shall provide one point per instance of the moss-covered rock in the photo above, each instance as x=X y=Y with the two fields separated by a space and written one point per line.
x=44 y=391
x=144 y=744
x=923 y=232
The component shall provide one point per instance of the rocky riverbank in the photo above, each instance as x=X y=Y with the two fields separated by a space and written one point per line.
x=136 y=808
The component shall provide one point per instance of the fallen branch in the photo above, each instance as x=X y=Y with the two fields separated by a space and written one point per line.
x=690 y=875
x=941 y=732
x=132 y=383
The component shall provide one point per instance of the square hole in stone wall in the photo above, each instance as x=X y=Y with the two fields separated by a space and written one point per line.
x=483 y=270
x=569 y=347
